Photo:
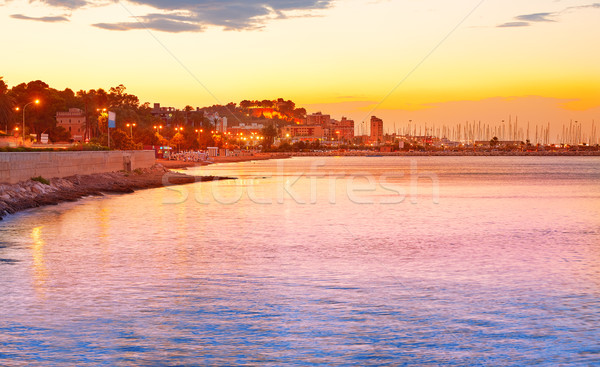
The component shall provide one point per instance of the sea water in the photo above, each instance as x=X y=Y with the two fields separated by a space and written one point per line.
x=315 y=261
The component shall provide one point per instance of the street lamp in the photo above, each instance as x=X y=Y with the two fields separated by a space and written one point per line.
x=101 y=112
x=131 y=126
x=37 y=101
x=177 y=128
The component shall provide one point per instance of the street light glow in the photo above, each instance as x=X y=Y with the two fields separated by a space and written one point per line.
x=37 y=101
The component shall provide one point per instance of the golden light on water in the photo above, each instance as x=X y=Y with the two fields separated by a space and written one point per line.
x=40 y=272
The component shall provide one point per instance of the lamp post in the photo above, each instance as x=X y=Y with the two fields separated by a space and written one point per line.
x=131 y=126
x=101 y=112
x=178 y=129
x=37 y=101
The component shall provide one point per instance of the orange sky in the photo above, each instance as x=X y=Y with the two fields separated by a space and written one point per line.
x=428 y=61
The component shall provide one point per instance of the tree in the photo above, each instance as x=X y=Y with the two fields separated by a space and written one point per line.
x=177 y=140
x=118 y=98
x=206 y=140
x=121 y=140
x=187 y=109
x=245 y=104
x=266 y=103
x=147 y=136
x=59 y=134
x=299 y=113
x=6 y=105
x=270 y=133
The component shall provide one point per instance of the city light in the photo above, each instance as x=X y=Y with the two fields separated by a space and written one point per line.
x=131 y=126
x=37 y=101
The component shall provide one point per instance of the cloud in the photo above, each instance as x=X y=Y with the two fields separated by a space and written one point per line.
x=514 y=24
x=153 y=23
x=536 y=17
x=196 y=15
x=590 y=6
x=525 y=19
x=69 y=4
x=53 y=19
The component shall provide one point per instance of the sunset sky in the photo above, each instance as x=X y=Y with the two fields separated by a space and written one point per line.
x=429 y=60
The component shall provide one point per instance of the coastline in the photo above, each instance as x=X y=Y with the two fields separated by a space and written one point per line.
x=446 y=154
x=32 y=194
x=245 y=158
x=266 y=156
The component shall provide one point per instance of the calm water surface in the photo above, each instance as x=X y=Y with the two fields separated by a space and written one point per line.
x=307 y=261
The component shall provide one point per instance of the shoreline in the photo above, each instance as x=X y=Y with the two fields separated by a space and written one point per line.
x=445 y=154
x=258 y=157
x=267 y=156
x=33 y=194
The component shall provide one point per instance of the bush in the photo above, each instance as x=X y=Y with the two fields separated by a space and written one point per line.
x=25 y=149
x=40 y=179
x=87 y=147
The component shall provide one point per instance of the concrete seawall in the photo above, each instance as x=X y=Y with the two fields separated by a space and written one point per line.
x=16 y=167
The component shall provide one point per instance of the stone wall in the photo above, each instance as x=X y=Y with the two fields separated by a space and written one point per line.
x=16 y=167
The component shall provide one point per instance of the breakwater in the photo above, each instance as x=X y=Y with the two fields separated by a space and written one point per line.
x=32 y=194
x=21 y=166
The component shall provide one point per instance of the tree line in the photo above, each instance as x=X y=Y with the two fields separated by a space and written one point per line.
x=197 y=134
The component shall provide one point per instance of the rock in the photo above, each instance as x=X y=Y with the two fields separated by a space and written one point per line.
x=33 y=194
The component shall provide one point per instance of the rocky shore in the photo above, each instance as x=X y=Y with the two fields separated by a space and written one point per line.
x=32 y=194
x=176 y=164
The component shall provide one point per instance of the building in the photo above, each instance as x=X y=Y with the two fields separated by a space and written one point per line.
x=318 y=119
x=245 y=129
x=342 y=130
x=221 y=124
x=303 y=132
x=376 y=129
x=163 y=113
x=74 y=121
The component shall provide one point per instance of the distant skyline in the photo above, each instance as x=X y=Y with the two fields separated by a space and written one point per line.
x=429 y=61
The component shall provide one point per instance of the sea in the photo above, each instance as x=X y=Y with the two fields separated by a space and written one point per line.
x=310 y=261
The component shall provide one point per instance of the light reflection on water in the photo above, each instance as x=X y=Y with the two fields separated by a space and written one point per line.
x=504 y=269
